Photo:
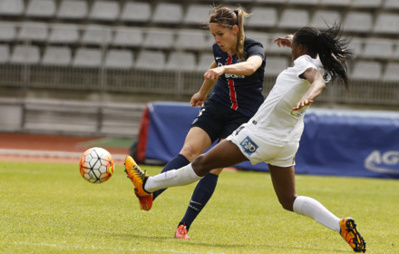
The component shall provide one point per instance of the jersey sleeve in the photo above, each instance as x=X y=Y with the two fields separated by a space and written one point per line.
x=254 y=48
x=302 y=63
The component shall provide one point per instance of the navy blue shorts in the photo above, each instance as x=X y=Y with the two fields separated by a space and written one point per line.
x=218 y=120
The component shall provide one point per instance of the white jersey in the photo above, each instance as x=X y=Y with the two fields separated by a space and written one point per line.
x=272 y=135
x=275 y=120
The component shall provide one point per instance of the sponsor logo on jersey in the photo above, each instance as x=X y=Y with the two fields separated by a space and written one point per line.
x=229 y=75
x=297 y=113
x=249 y=146
x=386 y=162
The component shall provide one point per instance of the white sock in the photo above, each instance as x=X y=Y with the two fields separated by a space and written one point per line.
x=314 y=209
x=176 y=177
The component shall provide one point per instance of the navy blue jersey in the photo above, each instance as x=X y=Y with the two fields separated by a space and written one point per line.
x=239 y=92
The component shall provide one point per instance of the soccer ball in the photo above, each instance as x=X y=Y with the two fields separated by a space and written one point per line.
x=96 y=165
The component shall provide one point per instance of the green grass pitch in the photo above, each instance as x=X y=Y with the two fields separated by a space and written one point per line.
x=50 y=208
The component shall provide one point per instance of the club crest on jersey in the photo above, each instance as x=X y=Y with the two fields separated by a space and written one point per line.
x=249 y=146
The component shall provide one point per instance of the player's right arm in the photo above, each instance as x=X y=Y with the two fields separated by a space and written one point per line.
x=199 y=97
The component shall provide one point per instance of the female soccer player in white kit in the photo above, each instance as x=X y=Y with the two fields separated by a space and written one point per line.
x=272 y=135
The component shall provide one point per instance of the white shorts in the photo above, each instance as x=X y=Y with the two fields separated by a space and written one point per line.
x=258 y=149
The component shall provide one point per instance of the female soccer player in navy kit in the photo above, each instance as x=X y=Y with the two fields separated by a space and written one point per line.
x=238 y=70
x=272 y=135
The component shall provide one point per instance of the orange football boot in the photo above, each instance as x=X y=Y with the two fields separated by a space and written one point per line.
x=351 y=235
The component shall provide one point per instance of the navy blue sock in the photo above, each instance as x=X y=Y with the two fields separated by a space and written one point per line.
x=177 y=162
x=201 y=195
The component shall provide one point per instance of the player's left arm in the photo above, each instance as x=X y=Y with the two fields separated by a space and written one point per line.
x=316 y=88
x=245 y=68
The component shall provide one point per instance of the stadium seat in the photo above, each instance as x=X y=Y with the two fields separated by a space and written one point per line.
x=391 y=73
x=356 y=45
x=87 y=57
x=304 y=2
x=260 y=37
x=64 y=33
x=336 y=2
x=366 y=3
x=41 y=8
x=271 y=1
x=150 y=60
x=57 y=56
x=366 y=70
x=159 y=39
x=128 y=37
x=323 y=18
x=96 y=35
x=275 y=65
x=396 y=52
x=12 y=7
x=25 y=54
x=378 y=48
x=181 y=61
x=387 y=23
x=391 y=4
x=168 y=13
x=196 y=14
x=73 y=9
x=205 y=60
x=358 y=22
x=119 y=59
x=262 y=17
x=192 y=39
x=104 y=10
x=8 y=32
x=4 y=53
x=293 y=18
x=136 y=12
x=33 y=31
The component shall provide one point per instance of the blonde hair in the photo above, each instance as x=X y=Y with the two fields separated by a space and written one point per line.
x=226 y=17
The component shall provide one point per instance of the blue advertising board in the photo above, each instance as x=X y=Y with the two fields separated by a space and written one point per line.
x=335 y=142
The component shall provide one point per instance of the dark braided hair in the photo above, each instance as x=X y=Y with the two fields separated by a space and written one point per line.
x=332 y=50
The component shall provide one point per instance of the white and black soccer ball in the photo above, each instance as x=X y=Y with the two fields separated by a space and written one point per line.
x=96 y=165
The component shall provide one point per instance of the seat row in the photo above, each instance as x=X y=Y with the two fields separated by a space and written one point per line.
x=165 y=39
x=157 y=60
x=63 y=56
x=173 y=13
x=114 y=10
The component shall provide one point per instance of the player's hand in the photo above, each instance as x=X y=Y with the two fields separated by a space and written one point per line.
x=302 y=103
x=214 y=73
x=285 y=41
x=197 y=100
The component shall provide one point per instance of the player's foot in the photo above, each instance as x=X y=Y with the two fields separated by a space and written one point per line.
x=145 y=201
x=137 y=176
x=181 y=232
x=351 y=235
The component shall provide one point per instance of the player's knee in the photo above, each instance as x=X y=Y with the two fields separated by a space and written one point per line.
x=190 y=152
x=199 y=166
x=288 y=202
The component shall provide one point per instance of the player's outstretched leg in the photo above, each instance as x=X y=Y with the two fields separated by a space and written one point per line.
x=138 y=177
x=351 y=235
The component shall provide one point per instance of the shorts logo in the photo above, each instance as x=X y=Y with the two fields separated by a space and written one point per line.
x=249 y=146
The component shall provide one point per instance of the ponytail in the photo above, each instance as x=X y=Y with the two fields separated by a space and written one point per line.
x=332 y=50
x=241 y=34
